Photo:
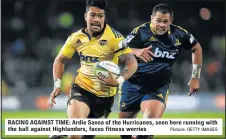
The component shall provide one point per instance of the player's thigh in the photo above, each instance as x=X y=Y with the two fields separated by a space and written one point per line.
x=152 y=108
x=154 y=103
x=100 y=107
x=77 y=109
x=129 y=101
x=78 y=104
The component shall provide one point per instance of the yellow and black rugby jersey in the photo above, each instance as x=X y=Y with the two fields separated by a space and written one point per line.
x=91 y=50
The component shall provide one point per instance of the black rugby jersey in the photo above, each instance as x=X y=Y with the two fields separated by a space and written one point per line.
x=166 y=48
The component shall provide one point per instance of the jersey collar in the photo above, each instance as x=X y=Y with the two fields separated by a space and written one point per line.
x=94 y=35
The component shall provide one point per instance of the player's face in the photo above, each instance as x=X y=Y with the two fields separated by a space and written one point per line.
x=161 y=22
x=95 y=19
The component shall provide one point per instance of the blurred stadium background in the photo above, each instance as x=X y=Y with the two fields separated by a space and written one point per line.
x=33 y=31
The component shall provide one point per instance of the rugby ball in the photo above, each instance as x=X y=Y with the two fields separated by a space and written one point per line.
x=101 y=69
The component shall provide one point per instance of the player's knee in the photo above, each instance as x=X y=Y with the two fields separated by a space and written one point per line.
x=148 y=113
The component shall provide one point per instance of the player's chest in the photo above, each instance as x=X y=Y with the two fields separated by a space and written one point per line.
x=95 y=50
x=95 y=47
x=166 y=47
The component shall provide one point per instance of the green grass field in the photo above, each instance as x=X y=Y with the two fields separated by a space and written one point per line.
x=54 y=114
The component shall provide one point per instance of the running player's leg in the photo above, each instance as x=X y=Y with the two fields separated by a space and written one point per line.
x=77 y=109
x=92 y=115
x=78 y=105
x=153 y=106
x=100 y=107
x=127 y=115
x=129 y=106
x=151 y=109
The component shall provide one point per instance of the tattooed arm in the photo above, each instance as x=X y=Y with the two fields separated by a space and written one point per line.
x=130 y=65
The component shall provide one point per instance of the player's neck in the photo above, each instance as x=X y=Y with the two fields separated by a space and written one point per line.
x=89 y=32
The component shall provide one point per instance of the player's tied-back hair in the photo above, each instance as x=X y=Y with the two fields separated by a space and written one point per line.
x=162 y=8
x=102 y=4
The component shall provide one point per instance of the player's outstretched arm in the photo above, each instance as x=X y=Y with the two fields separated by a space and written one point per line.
x=145 y=53
x=194 y=83
x=58 y=70
x=58 y=66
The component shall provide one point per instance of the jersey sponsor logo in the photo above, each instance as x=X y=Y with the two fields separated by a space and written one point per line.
x=88 y=58
x=102 y=42
x=78 y=43
x=160 y=95
x=152 y=39
x=164 y=54
x=76 y=94
x=123 y=104
x=177 y=43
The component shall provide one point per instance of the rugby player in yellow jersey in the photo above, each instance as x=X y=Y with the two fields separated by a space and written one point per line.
x=89 y=96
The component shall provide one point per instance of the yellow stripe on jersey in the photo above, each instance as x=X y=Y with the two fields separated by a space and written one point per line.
x=137 y=28
x=180 y=28
x=90 y=52
x=152 y=29
x=166 y=97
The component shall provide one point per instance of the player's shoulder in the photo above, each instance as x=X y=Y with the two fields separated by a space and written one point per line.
x=77 y=34
x=178 y=29
x=113 y=32
x=140 y=28
x=76 y=37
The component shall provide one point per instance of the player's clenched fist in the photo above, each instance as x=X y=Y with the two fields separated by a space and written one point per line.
x=52 y=97
x=145 y=54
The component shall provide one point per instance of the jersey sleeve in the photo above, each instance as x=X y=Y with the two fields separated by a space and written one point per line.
x=120 y=50
x=188 y=40
x=69 y=48
x=119 y=47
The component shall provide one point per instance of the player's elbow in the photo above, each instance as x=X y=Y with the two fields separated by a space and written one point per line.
x=60 y=59
x=197 y=49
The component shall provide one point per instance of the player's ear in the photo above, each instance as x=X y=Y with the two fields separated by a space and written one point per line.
x=151 y=17
x=171 y=19
x=85 y=16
